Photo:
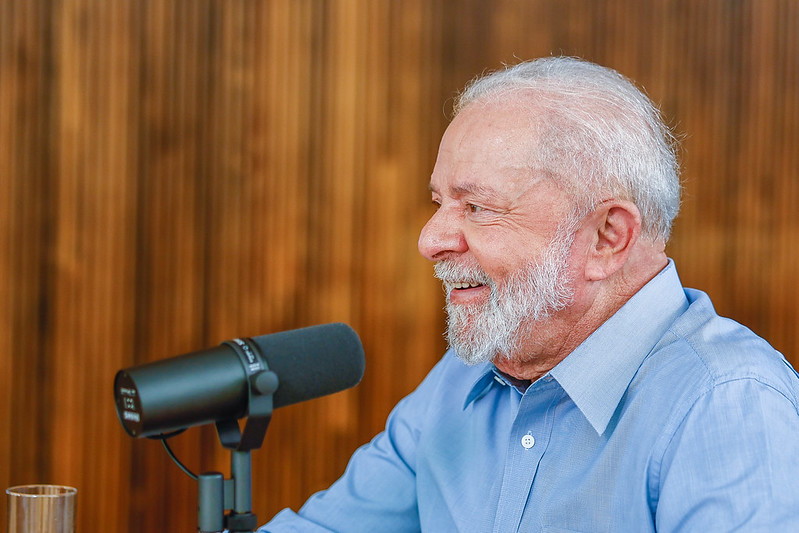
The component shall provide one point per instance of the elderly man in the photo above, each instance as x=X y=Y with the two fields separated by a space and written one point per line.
x=597 y=393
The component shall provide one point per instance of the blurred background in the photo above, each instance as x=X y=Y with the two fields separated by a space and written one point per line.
x=176 y=173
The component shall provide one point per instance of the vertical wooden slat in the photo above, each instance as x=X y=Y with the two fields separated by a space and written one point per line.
x=92 y=208
x=7 y=95
x=24 y=166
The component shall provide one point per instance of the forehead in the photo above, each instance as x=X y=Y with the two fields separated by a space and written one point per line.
x=489 y=145
x=497 y=125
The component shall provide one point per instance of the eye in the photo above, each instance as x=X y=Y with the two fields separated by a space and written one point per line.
x=472 y=208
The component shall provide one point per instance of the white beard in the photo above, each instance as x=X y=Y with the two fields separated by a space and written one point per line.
x=481 y=332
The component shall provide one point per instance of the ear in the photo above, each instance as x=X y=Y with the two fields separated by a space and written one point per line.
x=615 y=226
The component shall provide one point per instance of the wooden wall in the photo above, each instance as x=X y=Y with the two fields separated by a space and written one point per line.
x=174 y=173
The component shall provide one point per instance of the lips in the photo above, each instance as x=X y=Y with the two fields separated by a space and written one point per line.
x=461 y=278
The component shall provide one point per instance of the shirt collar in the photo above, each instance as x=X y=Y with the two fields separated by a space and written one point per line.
x=597 y=373
x=482 y=384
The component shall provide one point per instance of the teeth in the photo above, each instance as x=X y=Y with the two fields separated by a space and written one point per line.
x=465 y=285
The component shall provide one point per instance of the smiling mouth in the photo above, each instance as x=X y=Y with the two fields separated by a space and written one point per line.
x=466 y=285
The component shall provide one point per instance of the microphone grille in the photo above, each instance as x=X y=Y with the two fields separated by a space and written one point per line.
x=312 y=362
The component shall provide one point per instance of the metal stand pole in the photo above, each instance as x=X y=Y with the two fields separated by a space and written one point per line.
x=215 y=494
x=241 y=518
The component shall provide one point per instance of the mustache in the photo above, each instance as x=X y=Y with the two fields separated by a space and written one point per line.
x=450 y=272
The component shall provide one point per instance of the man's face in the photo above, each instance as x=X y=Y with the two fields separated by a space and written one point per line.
x=501 y=236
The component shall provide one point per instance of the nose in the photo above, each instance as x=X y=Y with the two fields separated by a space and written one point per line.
x=441 y=237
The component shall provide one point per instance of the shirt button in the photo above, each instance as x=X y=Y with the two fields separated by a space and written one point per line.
x=528 y=441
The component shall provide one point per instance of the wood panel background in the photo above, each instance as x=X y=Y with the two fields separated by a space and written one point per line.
x=175 y=173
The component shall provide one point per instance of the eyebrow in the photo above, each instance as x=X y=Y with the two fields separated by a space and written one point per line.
x=470 y=188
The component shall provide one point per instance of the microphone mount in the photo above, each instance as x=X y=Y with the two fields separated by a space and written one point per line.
x=261 y=386
x=215 y=494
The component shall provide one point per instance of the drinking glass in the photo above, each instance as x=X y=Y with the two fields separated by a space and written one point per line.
x=41 y=509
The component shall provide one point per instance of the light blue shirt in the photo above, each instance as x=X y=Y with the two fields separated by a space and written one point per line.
x=667 y=418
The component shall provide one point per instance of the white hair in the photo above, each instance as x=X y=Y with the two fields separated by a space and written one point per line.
x=595 y=133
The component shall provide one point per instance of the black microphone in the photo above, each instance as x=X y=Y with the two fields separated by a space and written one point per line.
x=215 y=385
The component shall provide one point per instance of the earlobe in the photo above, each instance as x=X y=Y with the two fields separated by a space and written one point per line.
x=615 y=226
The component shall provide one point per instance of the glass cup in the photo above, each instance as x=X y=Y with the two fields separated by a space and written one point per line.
x=41 y=509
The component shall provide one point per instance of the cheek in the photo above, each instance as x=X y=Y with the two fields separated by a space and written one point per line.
x=499 y=254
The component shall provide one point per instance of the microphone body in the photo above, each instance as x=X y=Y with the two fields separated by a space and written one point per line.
x=214 y=385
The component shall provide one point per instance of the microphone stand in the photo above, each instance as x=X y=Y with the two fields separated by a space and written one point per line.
x=215 y=494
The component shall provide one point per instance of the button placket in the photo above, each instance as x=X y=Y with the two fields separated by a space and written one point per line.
x=529 y=435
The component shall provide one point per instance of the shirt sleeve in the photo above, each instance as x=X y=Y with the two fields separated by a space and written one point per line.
x=733 y=463
x=378 y=489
